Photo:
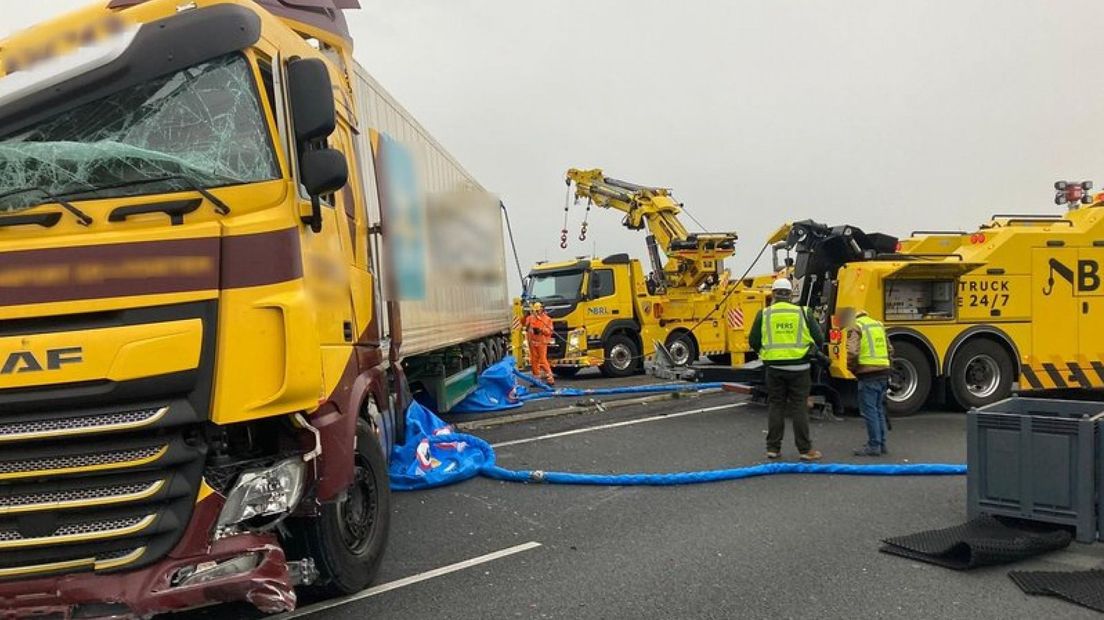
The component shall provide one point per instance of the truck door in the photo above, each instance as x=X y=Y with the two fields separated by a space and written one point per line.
x=1056 y=311
x=609 y=292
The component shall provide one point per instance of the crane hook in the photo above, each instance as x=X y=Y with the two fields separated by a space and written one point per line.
x=563 y=239
x=582 y=232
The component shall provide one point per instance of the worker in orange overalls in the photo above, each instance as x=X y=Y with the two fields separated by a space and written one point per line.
x=538 y=326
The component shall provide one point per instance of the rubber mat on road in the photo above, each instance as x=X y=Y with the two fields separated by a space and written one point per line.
x=1085 y=587
x=984 y=541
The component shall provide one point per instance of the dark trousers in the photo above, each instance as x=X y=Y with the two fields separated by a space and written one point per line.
x=787 y=397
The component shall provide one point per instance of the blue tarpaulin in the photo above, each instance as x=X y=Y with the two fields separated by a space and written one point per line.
x=498 y=390
x=420 y=462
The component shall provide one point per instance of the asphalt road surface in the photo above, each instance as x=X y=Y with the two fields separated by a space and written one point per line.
x=773 y=547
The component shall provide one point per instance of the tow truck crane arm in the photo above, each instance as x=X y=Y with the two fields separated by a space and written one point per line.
x=692 y=257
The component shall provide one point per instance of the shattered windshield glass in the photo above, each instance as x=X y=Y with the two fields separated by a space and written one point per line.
x=203 y=123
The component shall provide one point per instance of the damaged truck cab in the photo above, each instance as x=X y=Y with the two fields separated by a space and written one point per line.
x=196 y=397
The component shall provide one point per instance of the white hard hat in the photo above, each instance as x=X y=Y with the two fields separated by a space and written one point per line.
x=782 y=284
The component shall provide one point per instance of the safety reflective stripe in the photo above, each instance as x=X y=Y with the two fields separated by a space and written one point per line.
x=874 y=355
x=796 y=342
x=769 y=333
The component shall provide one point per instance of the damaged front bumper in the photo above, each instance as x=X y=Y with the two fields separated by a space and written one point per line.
x=247 y=567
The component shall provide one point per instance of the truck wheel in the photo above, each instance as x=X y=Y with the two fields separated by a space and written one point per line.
x=981 y=373
x=910 y=381
x=482 y=359
x=621 y=355
x=566 y=372
x=347 y=539
x=683 y=348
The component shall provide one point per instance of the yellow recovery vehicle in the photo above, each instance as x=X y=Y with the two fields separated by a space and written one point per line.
x=202 y=305
x=1027 y=315
x=972 y=315
x=607 y=313
x=839 y=267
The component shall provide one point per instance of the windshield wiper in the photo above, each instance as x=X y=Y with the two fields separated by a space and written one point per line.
x=81 y=216
x=220 y=207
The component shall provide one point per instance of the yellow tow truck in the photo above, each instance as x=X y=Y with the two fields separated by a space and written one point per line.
x=607 y=313
x=1026 y=318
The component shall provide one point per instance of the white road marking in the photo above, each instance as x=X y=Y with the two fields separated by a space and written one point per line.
x=665 y=416
x=406 y=581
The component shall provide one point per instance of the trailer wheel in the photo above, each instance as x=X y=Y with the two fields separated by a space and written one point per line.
x=910 y=381
x=683 y=347
x=494 y=353
x=622 y=357
x=482 y=359
x=347 y=539
x=981 y=373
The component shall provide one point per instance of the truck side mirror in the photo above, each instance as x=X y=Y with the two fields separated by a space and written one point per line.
x=323 y=171
x=310 y=94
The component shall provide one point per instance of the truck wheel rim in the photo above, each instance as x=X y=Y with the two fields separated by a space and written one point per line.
x=680 y=353
x=358 y=510
x=620 y=357
x=903 y=383
x=982 y=376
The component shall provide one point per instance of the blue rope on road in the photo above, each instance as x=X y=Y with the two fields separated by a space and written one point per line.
x=655 y=388
x=492 y=470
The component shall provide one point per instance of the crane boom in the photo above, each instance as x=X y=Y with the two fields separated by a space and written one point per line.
x=692 y=258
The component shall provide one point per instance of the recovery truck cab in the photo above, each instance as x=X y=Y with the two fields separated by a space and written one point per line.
x=607 y=313
x=201 y=362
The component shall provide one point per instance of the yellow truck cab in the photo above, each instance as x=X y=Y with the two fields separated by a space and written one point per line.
x=201 y=351
x=599 y=308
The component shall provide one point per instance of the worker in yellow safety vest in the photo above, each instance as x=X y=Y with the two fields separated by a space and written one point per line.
x=869 y=358
x=786 y=336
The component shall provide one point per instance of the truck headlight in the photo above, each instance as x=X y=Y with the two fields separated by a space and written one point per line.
x=576 y=339
x=261 y=496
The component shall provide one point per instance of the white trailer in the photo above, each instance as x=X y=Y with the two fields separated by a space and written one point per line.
x=439 y=238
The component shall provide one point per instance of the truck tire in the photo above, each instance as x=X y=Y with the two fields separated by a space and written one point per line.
x=683 y=347
x=621 y=357
x=347 y=539
x=565 y=372
x=981 y=373
x=910 y=382
x=482 y=359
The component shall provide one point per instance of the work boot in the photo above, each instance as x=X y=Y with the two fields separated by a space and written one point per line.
x=811 y=455
x=774 y=454
x=868 y=451
x=885 y=451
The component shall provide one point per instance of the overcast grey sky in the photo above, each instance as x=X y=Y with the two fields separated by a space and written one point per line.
x=890 y=116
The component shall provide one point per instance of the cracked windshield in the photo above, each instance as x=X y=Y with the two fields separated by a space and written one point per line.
x=201 y=126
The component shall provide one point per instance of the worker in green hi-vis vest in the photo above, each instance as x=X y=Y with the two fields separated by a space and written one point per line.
x=786 y=337
x=869 y=357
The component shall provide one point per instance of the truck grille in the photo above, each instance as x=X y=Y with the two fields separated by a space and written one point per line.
x=101 y=477
x=80 y=425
